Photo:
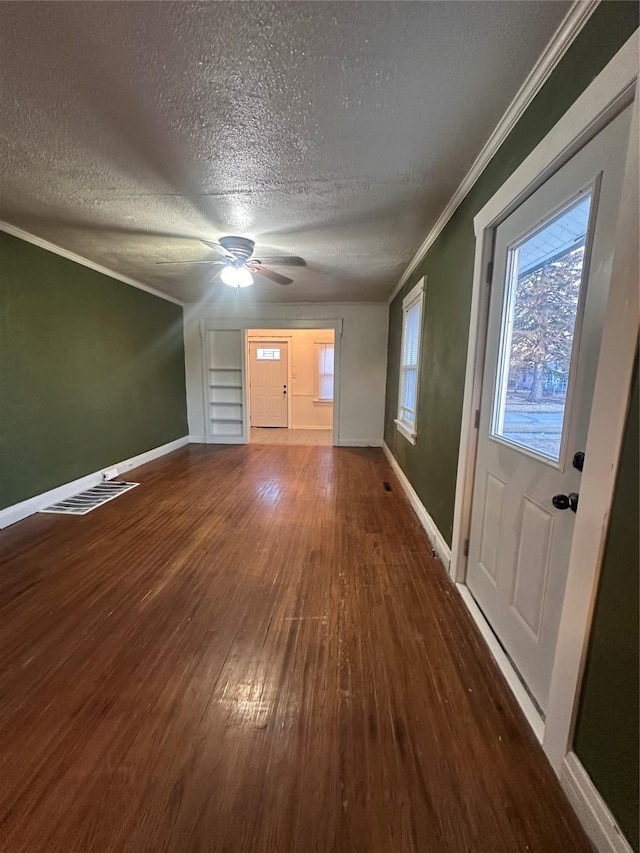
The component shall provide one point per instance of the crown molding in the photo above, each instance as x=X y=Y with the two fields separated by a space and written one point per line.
x=570 y=26
x=78 y=259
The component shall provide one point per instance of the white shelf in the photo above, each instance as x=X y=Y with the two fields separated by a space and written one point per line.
x=224 y=385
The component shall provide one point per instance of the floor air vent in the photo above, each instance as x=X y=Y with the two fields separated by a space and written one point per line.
x=84 y=502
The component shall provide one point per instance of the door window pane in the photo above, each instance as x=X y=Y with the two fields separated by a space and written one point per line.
x=268 y=354
x=544 y=274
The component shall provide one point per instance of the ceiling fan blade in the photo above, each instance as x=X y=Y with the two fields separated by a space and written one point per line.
x=279 y=260
x=218 y=248
x=211 y=263
x=270 y=274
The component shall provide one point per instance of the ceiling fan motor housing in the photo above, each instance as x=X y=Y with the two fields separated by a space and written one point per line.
x=240 y=247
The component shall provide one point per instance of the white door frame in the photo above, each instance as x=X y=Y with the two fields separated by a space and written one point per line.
x=245 y=324
x=265 y=339
x=606 y=97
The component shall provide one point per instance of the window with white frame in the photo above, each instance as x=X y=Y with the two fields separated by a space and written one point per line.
x=407 y=420
x=324 y=375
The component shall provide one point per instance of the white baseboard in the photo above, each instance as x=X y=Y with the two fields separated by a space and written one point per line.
x=598 y=822
x=360 y=442
x=437 y=540
x=444 y=553
x=504 y=664
x=197 y=439
x=12 y=514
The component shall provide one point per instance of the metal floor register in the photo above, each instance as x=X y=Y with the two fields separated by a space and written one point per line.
x=84 y=502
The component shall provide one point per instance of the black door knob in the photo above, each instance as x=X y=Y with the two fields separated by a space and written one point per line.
x=578 y=460
x=569 y=501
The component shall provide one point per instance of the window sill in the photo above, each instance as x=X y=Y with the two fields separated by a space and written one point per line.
x=404 y=430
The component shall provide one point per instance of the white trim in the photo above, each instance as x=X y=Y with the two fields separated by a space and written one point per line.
x=243 y=437
x=12 y=514
x=504 y=664
x=78 y=259
x=440 y=547
x=556 y=147
x=407 y=433
x=570 y=26
x=414 y=294
x=606 y=96
x=602 y=452
x=598 y=822
x=197 y=439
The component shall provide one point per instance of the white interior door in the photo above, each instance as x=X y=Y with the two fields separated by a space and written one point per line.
x=268 y=376
x=552 y=263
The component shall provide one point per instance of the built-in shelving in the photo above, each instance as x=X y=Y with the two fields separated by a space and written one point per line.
x=225 y=384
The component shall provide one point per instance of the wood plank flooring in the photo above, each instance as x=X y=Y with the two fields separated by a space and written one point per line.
x=254 y=651
x=280 y=435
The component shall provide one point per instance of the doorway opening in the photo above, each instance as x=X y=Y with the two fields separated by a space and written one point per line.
x=291 y=386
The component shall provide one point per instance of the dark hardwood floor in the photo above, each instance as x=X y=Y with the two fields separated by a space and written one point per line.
x=255 y=651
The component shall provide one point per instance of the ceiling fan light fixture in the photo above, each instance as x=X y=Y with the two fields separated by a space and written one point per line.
x=236 y=276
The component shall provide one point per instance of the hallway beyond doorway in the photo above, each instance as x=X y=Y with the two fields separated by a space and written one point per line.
x=316 y=437
x=291 y=377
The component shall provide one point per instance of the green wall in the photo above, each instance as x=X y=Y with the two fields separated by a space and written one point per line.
x=607 y=733
x=606 y=739
x=91 y=371
x=431 y=464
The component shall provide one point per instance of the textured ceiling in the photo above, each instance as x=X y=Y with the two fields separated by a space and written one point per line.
x=335 y=131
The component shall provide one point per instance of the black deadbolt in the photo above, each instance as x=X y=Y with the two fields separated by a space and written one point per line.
x=578 y=460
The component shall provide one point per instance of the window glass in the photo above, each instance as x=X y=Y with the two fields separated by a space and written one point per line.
x=412 y=317
x=544 y=275
x=325 y=371
x=407 y=420
x=268 y=354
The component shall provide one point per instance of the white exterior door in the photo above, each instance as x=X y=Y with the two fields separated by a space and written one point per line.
x=268 y=373
x=552 y=263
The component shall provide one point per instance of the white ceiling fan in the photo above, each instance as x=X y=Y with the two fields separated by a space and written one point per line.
x=239 y=266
